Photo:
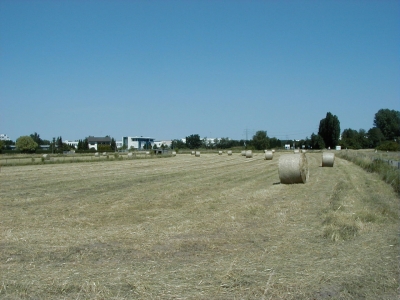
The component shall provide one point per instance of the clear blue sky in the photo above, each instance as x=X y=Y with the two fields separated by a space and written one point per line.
x=168 y=69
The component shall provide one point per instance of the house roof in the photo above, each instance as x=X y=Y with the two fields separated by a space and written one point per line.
x=99 y=139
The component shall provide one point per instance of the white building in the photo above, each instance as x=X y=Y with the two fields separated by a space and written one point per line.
x=137 y=142
x=4 y=137
x=72 y=143
x=165 y=143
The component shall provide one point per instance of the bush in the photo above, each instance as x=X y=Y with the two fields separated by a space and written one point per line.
x=389 y=146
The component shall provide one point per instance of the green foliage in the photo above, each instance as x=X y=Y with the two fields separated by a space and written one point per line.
x=375 y=137
x=350 y=139
x=389 y=146
x=113 y=144
x=104 y=148
x=275 y=143
x=193 y=141
x=36 y=137
x=329 y=130
x=317 y=142
x=2 y=145
x=26 y=144
x=178 y=144
x=388 y=121
x=260 y=140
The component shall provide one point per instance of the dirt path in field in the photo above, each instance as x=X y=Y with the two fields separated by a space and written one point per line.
x=208 y=227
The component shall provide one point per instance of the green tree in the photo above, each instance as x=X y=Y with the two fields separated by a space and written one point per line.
x=26 y=144
x=113 y=144
x=260 y=140
x=350 y=139
x=329 y=130
x=375 y=137
x=193 y=141
x=317 y=142
x=178 y=144
x=388 y=121
x=36 y=137
x=2 y=146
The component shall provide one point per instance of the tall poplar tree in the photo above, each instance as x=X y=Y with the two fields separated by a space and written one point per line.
x=329 y=130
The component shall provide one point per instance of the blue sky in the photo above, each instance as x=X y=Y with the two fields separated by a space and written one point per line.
x=168 y=69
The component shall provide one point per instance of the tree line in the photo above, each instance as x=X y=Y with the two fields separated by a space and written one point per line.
x=384 y=135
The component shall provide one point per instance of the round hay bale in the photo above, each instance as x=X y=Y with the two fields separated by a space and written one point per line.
x=96 y=154
x=46 y=157
x=104 y=153
x=229 y=152
x=173 y=153
x=293 y=168
x=328 y=159
x=303 y=150
x=249 y=154
x=219 y=152
x=268 y=155
x=273 y=150
x=296 y=151
x=130 y=154
x=243 y=153
x=193 y=152
x=197 y=154
x=147 y=152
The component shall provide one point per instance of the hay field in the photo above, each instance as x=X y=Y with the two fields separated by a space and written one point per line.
x=185 y=227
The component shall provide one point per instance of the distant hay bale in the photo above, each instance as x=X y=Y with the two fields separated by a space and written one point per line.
x=296 y=151
x=293 y=168
x=147 y=152
x=197 y=154
x=104 y=153
x=303 y=150
x=173 y=153
x=273 y=150
x=219 y=152
x=328 y=159
x=229 y=152
x=130 y=155
x=249 y=154
x=46 y=157
x=268 y=155
x=96 y=154
x=243 y=153
x=193 y=152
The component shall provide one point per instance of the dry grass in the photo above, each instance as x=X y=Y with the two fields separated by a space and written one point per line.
x=208 y=228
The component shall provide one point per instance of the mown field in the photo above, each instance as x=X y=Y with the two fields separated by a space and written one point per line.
x=185 y=227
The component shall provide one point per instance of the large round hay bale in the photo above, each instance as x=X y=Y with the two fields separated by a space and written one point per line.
x=273 y=150
x=219 y=152
x=46 y=157
x=173 y=153
x=328 y=159
x=96 y=154
x=249 y=154
x=243 y=153
x=229 y=152
x=193 y=152
x=296 y=151
x=268 y=155
x=197 y=154
x=104 y=153
x=130 y=154
x=303 y=151
x=293 y=168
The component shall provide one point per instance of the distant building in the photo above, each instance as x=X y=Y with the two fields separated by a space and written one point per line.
x=287 y=146
x=137 y=142
x=4 y=137
x=165 y=143
x=95 y=141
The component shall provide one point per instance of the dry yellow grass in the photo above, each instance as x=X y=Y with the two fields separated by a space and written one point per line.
x=208 y=228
